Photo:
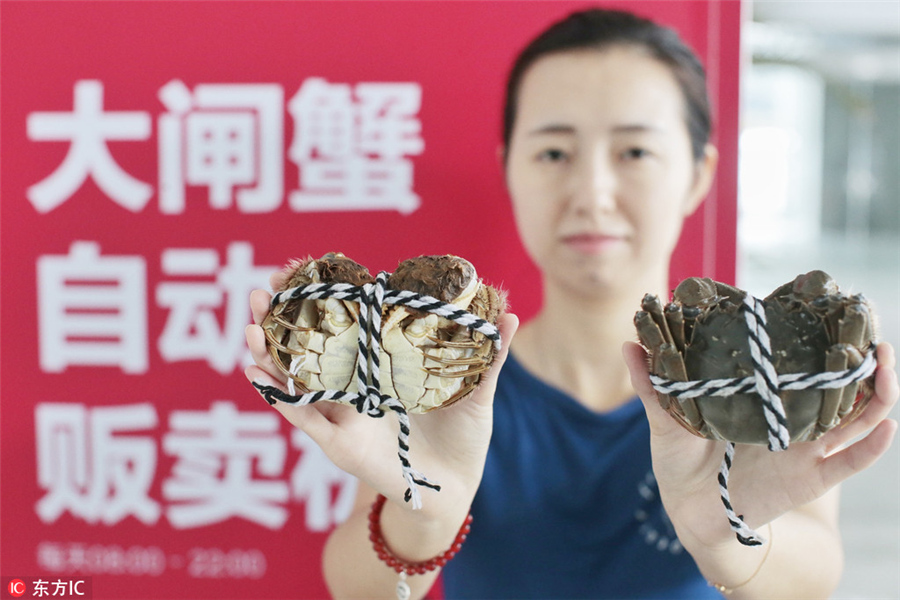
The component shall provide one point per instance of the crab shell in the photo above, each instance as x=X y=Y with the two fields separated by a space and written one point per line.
x=812 y=327
x=426 y=361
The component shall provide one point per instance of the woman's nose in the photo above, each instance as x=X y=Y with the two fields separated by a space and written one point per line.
x=596 y=188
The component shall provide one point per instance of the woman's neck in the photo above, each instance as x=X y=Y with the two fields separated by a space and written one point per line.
x=575 y=344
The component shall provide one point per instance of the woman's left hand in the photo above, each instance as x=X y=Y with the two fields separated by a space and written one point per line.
x=763 y=485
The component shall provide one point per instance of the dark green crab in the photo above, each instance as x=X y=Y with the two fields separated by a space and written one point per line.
x=702 y=334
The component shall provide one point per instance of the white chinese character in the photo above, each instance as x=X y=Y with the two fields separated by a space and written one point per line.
x=213 y=477
x=386 y=125
x=192 y=329
x=324 y=121
x=88 y=129
x=51 y=556
x=92 y=310
x=351 y=154
x=224 y=137
x=313 y=481
x=60 y=587
x=40 y=588
x=89 y=469
x=76 y=557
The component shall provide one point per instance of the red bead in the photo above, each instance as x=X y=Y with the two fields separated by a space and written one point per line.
x=384 y=553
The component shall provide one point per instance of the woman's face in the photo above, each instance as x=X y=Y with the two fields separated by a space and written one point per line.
x=600 y=170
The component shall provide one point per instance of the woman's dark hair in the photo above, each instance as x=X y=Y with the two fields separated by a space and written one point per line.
x=600 y=29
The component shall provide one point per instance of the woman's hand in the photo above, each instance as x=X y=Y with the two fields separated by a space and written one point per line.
x=763 y=485
x=448 y=446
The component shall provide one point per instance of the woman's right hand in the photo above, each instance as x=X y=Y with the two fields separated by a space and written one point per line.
x=448 y=445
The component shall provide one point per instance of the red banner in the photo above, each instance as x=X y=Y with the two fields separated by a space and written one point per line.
x=159 y=160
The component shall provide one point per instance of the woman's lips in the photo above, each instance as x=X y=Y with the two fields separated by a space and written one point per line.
x=592 y=243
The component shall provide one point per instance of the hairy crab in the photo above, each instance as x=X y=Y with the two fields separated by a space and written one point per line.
x=812 y=328
x=426 y=360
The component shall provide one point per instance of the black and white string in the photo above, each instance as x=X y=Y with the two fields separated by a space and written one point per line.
x=368 y=398
x=767 y=384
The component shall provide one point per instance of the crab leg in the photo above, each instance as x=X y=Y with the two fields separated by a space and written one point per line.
x=459 y=395
x=675 y=321
x=288 y=325
x=848 y=398
x=735 y=295
x=441 y=373
x=835 y=360
x=668 y=362
x=650 y=335
x=852 y=330
x=277 y=345
x=654 y=307
x=454 y=362
x=689 y=315
x=673 y=366
x=448 y=344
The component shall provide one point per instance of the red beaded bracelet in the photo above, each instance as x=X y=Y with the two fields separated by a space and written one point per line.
x=400 y=565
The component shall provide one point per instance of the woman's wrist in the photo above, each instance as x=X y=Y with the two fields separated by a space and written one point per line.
x=420 y=567
x=726 y=563
x=418 y=535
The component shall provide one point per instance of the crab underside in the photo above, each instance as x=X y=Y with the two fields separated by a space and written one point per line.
x=426 y=361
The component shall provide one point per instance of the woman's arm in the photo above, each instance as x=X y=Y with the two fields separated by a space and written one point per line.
x=351 y=567
x=794 y=492
x=802 y=558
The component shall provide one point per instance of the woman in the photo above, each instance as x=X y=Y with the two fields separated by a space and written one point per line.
x=606 y=152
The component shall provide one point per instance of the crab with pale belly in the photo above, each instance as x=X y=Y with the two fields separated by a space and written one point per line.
x=812 y=327
x=426 y=361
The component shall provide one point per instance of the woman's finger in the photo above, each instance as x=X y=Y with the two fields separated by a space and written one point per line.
x=259 y=305
x=256 y=341
x=885 y=355
x=508 y=324
x=880 y=405
x=308 y=419
x=636 y=360
x=859 y=456
x=278 y=279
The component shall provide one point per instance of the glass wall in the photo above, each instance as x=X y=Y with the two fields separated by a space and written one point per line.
x=819 y=188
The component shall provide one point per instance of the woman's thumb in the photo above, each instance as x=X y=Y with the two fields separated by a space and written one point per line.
x=636 y=360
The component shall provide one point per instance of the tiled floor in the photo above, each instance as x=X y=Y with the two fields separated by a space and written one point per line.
x=870 y=507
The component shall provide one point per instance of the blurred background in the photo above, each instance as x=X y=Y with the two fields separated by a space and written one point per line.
x=819 y=181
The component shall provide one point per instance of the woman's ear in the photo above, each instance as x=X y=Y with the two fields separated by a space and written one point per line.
x=704 y=173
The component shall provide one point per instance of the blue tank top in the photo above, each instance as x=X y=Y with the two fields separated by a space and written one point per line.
x=568 y=507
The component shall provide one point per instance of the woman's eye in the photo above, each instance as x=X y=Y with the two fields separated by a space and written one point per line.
x=635 y=153
x=552 y=155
